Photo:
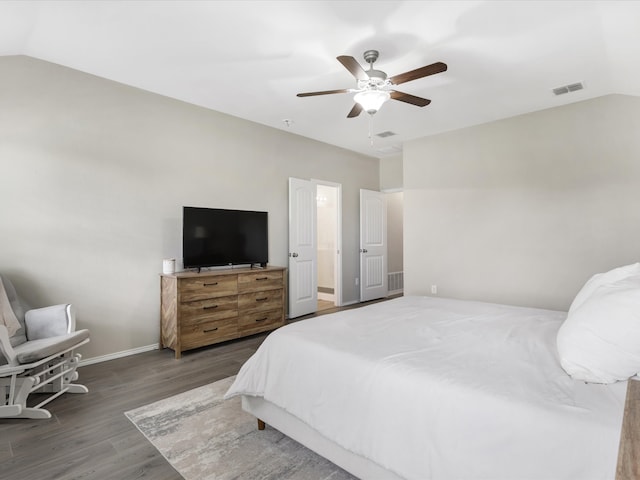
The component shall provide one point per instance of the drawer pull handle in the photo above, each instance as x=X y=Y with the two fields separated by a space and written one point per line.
x=210 y=284
x=261 y=319
x=210 y=330
x=262 y=278
x=262 y=299
x=209 y=307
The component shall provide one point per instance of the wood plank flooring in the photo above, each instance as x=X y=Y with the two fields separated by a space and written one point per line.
x=89 y=437
x=325 y=305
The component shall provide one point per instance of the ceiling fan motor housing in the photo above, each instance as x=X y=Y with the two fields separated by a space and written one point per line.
x=377 y=75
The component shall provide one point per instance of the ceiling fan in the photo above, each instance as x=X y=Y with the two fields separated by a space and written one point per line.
x=373 y=88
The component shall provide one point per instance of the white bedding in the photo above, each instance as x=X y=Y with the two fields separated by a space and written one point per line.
x=432 y=388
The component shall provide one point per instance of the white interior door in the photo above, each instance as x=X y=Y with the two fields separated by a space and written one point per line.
x=373 y=245
x=303 y=274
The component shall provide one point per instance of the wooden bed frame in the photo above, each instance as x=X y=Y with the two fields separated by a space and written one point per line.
x=629 y=451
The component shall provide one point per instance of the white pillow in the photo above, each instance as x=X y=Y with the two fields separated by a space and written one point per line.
x=601 y=279
x=599 y=341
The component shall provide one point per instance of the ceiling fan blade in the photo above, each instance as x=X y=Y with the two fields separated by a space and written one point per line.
x=432 y=69
x=353 y=66
x=412 y=99
x=326 y=92
x=355 y=111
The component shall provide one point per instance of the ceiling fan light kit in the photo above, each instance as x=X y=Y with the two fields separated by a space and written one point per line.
x=371 y=100
x=374 y=88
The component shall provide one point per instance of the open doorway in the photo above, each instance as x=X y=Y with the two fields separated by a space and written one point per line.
x=328 y=244
x=395 y=260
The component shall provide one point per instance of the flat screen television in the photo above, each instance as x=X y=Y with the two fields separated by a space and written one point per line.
x=215 y=237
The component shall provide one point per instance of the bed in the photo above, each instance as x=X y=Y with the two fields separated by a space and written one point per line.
x=433 y=388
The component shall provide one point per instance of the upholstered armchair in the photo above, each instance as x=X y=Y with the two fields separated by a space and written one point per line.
x=36 y=354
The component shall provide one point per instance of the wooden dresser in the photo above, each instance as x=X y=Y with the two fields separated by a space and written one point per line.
x=199 y=309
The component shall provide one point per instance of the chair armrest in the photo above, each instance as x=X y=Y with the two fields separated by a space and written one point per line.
x=5 y=347
x=50 y=321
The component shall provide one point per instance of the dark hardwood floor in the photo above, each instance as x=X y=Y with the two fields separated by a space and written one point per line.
x=89 y=437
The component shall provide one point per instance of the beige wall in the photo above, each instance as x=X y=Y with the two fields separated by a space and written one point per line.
x=522 y=211
x=94 y=176
x=391 y=172
x=395 y=231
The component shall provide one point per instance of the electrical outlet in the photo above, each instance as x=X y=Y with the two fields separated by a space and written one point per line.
x=434 y=289
x=357 y=281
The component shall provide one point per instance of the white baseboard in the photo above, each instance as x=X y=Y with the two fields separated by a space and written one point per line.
x=113 y=356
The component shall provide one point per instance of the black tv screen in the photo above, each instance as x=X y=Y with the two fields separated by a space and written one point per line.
x=214 y=237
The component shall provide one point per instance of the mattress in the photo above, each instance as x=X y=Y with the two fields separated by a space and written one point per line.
x=433 y=388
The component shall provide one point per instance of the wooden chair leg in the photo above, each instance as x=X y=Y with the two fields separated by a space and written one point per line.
x=261 y=425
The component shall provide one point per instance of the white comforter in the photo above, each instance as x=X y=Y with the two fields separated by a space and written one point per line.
x=432 y=388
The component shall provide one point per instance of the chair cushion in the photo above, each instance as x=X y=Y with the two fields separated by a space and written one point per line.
x=47 y=322
x=35 y=350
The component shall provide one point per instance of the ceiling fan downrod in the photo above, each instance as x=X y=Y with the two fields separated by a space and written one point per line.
x=376 y=76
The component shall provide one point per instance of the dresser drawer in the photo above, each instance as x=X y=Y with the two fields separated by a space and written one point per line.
x=259 y=301
x=253 y=282
x=210 y=309
x=201 y=334
x=257 y=322
x=201 y=288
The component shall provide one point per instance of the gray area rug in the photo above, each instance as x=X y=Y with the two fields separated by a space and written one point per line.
x=204 y=437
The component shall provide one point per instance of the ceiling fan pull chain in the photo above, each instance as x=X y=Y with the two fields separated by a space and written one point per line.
x=370 y=136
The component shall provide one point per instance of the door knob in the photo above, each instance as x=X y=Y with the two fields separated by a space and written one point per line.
x=294 y=255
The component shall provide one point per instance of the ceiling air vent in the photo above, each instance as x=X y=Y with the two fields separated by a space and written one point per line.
x=388 y=133
x=573 y=87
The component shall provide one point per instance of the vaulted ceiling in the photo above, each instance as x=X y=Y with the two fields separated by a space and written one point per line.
x=250 y=58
